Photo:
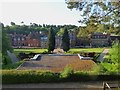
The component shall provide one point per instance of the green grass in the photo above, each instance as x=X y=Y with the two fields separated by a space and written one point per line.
x=17 y=51
x=80 y=50
x=71 y=51
x=97 y=50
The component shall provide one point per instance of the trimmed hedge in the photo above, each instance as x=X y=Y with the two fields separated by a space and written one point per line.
x=30 y=76
x=27 y=76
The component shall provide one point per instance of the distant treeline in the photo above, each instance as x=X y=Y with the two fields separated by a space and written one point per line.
x=80 y=31
x=33 y=27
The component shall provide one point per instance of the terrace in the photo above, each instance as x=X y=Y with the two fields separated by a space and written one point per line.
x=57 y=62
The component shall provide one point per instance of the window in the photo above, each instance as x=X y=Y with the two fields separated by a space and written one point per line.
x=14 y=39
x=18 y=39
x=98 y=37
x=95 y=37
x=34 y=39
x=23 y=39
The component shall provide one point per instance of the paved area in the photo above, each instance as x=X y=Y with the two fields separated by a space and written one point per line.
x=81 y=85
x=57 y=85
x=101 y=57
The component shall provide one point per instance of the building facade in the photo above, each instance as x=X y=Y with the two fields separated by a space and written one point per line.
x=44 y=41
x=100 y=40
x=41 y=41
x=18 y=40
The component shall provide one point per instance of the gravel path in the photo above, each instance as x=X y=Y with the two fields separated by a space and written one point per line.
x=101 y=57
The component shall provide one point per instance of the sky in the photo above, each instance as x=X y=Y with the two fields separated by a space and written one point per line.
x=38 y=11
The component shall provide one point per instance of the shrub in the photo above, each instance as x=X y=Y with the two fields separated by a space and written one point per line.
x=66 y=74
x=12 y=66
x=32 y=76
x=81 y=76
x=109 y=68
x=6 y=60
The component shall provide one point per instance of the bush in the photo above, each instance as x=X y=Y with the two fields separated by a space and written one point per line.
x=67 y=74
x=68 y=71
x=12 y=66
x=6 y=60
x=81 y=76
x=32 y=76
x=109 y=68
x=28 y=76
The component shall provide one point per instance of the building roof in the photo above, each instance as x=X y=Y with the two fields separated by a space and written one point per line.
x=114 y=37
x=58 y=63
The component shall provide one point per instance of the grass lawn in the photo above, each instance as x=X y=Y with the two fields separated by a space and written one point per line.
x=17 y=51
x=97 y=50
x=71 y=51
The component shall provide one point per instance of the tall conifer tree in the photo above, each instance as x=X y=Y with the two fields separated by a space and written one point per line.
x=65 y=40
x=51 y=40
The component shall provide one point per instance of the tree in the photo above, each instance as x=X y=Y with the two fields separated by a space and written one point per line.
x=6 y=45
x=114 y=52
x=101 y=28
x=51 y=40
x=60 y=32
x=105 y=11
x=65 y=40
x=12 y=23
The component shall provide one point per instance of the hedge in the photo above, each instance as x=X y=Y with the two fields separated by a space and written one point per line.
x=27 y=76
x=32 y=76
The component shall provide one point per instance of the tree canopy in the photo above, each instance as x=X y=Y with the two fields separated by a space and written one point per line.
x=51 y=40
x=103 y=12
x=6 y=45
x=65 y=40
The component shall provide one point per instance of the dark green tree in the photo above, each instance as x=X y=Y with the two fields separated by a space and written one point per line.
x=6 y=45
x=65 y=40
x=12 y=23
x=51 y=40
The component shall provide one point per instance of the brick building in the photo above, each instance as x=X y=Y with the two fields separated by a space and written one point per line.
x=18 y=40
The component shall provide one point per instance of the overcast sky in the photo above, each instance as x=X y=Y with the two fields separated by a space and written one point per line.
x=40 y=12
